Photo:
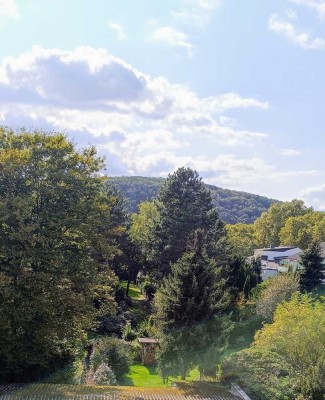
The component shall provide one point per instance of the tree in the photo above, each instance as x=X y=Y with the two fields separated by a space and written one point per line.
x=243 y=276
x=301 y=231
x=274 y=291
x=241 y=238
x=185 y=205
x=312 y=263
x=270 y=223
x=55 y=247
x=287 y=359
x=142 y=226
x=187 y=303
x=298 y=335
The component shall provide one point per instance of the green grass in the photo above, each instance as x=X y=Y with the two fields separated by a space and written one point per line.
x=141 y=376
x=134 y=291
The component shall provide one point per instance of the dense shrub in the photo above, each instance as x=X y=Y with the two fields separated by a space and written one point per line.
x=114 y=352
x=104 y=375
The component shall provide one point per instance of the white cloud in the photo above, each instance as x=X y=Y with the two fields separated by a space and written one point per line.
x=289 y=152
x=288 y=30
x=318 y=6
x=173 y=38
x=195 y=12
x=8 y=8
x=315 y=196
x=146 y=125
x=118 y=29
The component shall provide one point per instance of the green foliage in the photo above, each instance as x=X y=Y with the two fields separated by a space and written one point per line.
x=233 y=206
x=55 y=244
x=312 y=263
x=241 y=238
x=186 y=307
x=114 y=352
x=104 y=376
x=270 y=223
x=287 y=359
x=243 y=276
x=128 y=333
x=263 y=374
x=274 y=291
x=184 y=205
x=301 y=231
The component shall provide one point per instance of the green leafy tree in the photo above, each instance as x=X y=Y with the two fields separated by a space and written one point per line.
x=287 y=359
x=301 y=231
x=270 y=223
x=55 y=246
x=185 y=205
x=274 y=291
x=241 y=238
x=187 y=303
x=312 y=263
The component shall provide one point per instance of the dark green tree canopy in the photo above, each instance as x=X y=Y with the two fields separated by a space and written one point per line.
x=312 y=263
x=184 y=205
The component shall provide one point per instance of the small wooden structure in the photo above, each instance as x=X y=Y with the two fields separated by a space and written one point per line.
x=149 y=347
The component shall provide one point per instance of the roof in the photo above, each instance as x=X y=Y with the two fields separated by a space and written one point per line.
x=182 y=391
x=148 y=340
x=278 y=249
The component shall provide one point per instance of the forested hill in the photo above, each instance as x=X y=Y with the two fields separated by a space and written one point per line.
x=233 y=206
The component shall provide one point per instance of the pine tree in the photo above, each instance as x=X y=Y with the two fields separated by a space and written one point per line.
x=188 y=306
x=312 y=263
x=184 y=205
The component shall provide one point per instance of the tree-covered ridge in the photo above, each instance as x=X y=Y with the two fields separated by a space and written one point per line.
x=233 y=206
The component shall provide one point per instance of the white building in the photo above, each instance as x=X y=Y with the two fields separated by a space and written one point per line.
x=274 y=258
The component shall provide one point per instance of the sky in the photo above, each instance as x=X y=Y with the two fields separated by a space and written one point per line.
x=233 y=89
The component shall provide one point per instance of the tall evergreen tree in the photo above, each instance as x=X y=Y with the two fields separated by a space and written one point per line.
x=312 y=263
x=188 y=305
x=184 y=205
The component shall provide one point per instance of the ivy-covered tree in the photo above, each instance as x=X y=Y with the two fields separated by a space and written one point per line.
x=188 y=308
x=184 y=205
x=313 y=267
x=56 y=243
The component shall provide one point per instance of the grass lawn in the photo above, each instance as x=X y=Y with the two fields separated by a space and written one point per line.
x=142 y=376
x=134 y=291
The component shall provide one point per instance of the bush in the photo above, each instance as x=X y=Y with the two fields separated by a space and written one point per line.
x=104 y=375
x=128 y=333
x=113 y=352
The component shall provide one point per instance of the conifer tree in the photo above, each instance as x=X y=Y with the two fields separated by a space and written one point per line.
x=188 y=309
x=312 y=263
x=184 y=205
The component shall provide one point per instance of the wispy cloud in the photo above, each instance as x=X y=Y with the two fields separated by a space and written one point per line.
x=289 y=152
x=8 y=8
x=318 y=6
x=174 y=38
x=118 y=29
x=195 y=12
x=297 y=37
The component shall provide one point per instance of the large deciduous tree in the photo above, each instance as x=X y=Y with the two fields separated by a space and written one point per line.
x=56 y=242
x=270 y=223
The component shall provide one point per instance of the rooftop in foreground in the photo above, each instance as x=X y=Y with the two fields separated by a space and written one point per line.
x=182 y=391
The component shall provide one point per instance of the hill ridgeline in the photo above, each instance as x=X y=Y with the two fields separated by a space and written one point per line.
x=233 y=206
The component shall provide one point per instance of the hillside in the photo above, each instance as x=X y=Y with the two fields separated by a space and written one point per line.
x=233 y=206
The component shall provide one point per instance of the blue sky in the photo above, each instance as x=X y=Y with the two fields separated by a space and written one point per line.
x=234 y=89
